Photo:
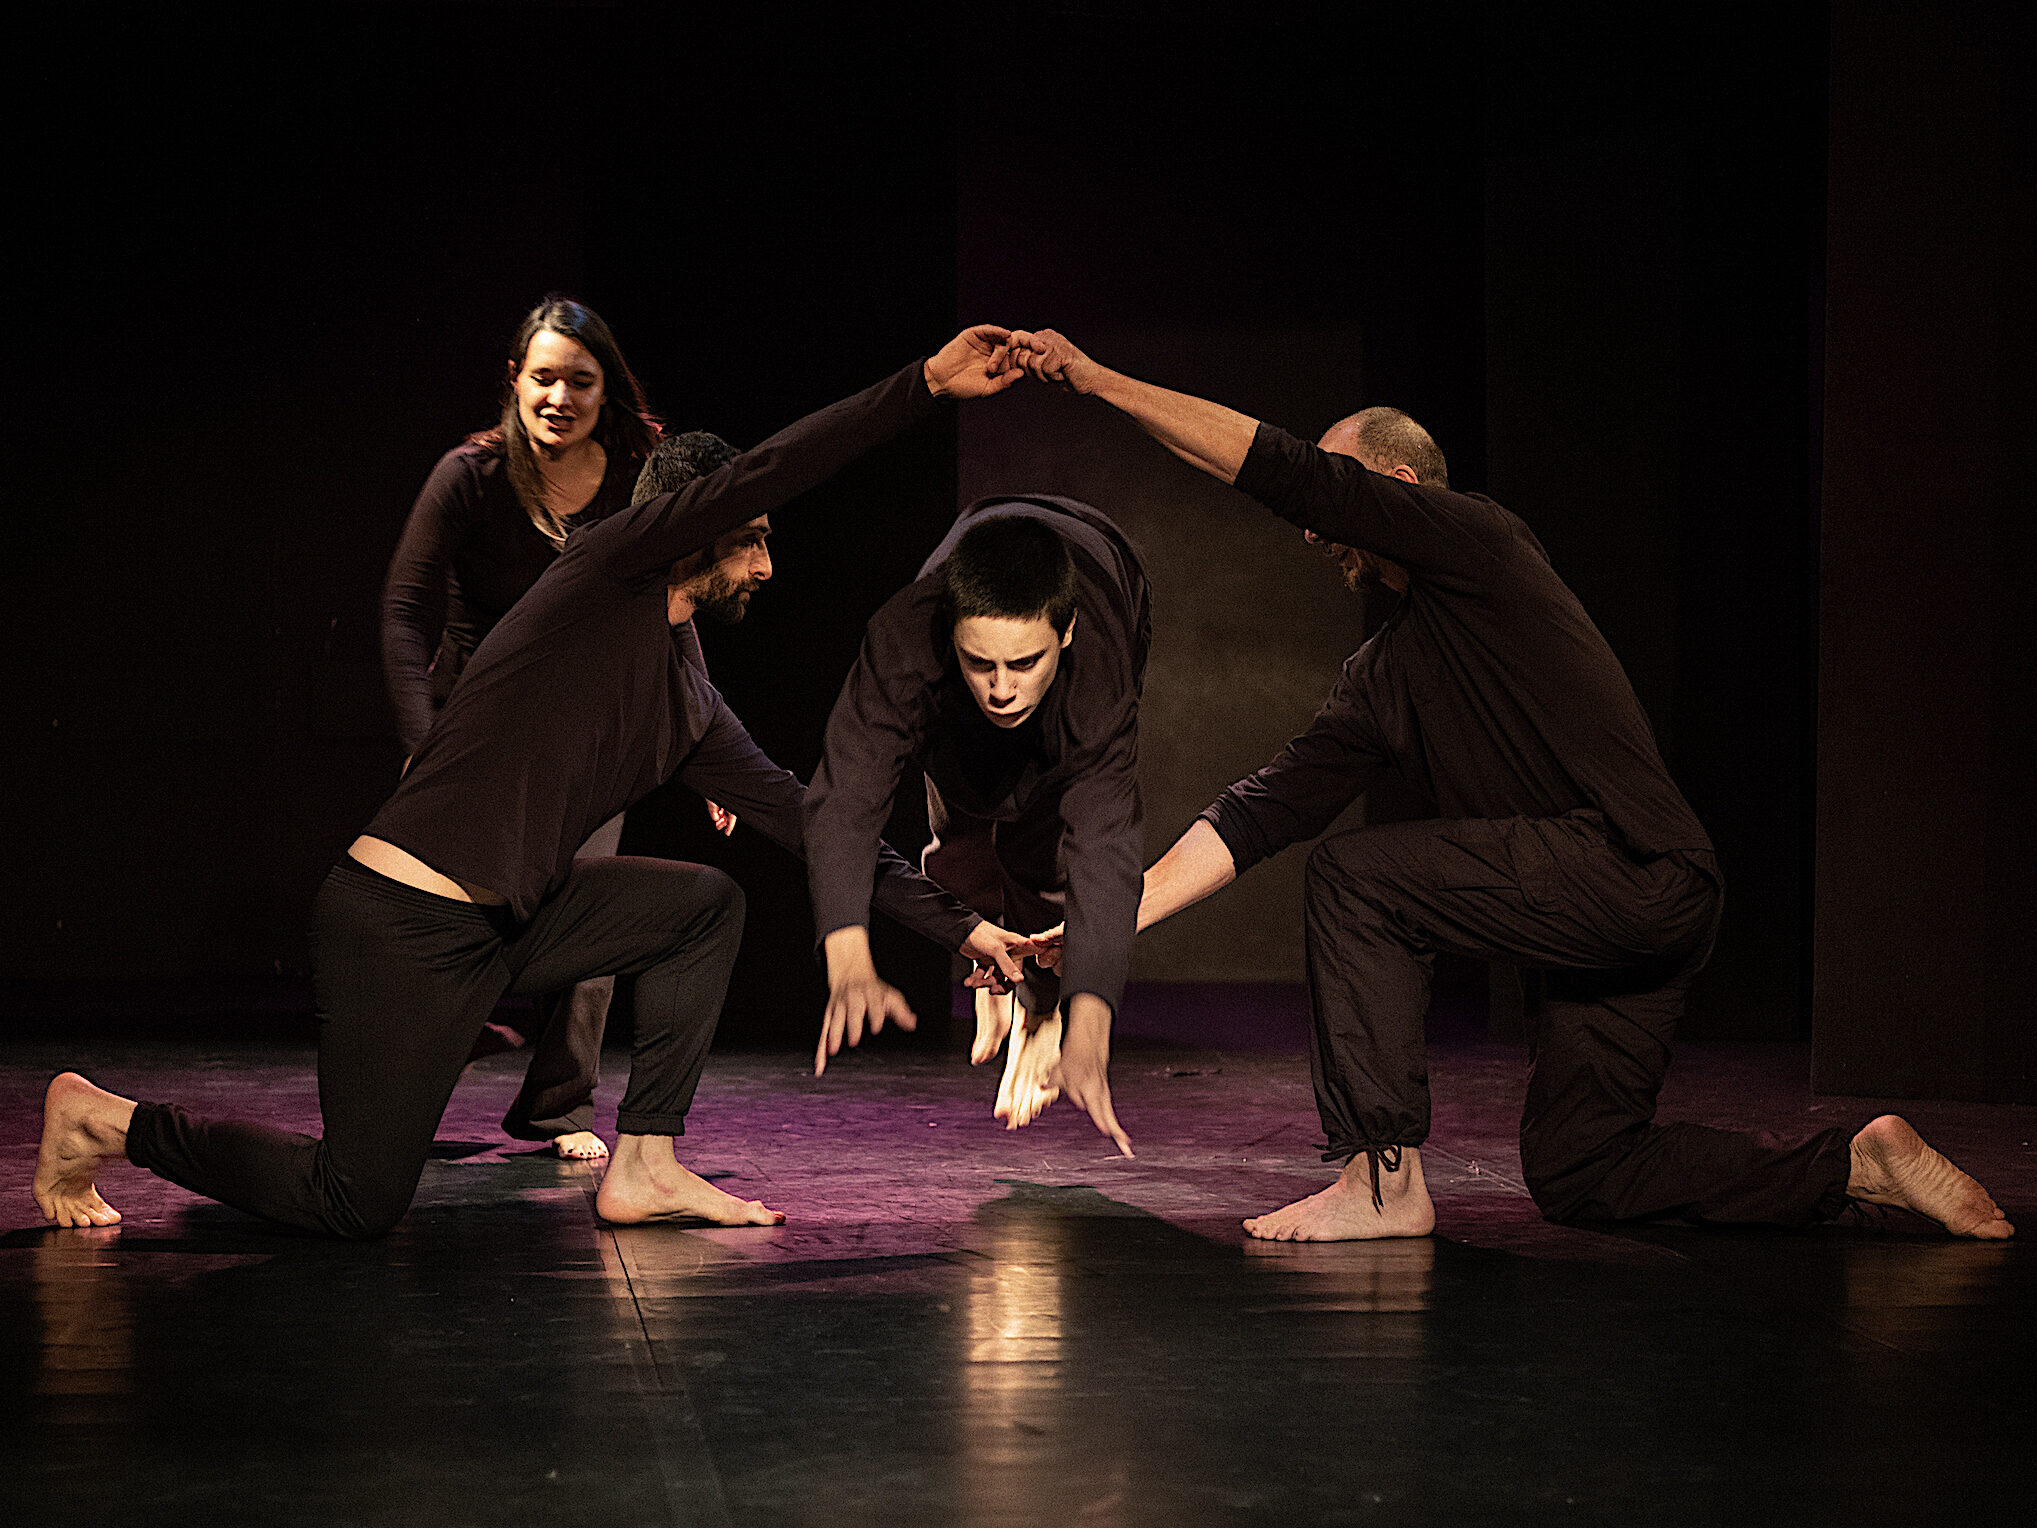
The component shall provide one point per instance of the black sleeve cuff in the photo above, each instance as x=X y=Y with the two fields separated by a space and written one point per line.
x=1260 y=475
x=1245 y=844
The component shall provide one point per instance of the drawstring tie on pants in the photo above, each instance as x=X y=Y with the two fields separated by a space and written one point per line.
x=1377 y=1157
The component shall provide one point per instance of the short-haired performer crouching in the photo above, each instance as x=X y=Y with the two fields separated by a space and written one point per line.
x=583 y=699
x=1562 y=844
x=1008 y=672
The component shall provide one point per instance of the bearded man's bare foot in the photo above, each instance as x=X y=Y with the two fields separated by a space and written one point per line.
x=580 y=1146
x=993 y=1023
x=1893 y=1165
x=1344 y=1211
x=1035 y=1051
x=80 y=1124
x=644 y=1181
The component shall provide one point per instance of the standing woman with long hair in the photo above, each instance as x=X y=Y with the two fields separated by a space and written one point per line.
x=496 y=510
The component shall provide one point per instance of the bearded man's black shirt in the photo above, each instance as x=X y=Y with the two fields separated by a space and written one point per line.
x=584 y=699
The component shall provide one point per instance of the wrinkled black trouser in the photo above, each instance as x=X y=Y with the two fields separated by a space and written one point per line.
x=1621 y=941
x=403 y=981
x=1012 y=872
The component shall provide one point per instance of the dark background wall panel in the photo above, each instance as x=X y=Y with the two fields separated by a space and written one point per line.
x=285 y=291
x=1288 y=223
x=1925 y=820
x=1652 y=249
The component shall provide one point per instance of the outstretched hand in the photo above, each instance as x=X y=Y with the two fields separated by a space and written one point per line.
x=1083 y=1075
x=856 y=1002
x=974 y=364
x=1052 y=357
x=997 y=953
x=1045 y=947
x=1001 y=975
x=858 y=998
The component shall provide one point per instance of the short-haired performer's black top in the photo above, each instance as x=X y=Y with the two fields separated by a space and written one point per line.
x=1052 y=805
x=580 y=701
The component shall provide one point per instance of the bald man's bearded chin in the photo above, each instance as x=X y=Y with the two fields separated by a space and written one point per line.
x=724 y=599
x=1360 y=571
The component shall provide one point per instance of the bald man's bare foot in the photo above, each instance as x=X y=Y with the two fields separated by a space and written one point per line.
x=1344 y=1211
x=80 y=1124
x=646 y=1182
x=993 y=1023
x=1893 y=1165
x=580 y=1146
x=1035 y=1051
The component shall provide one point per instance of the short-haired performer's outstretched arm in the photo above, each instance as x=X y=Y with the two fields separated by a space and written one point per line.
x=1201 y=433
x=1197 y=865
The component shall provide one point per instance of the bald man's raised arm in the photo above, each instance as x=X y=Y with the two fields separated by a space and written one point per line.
x=1201 y=433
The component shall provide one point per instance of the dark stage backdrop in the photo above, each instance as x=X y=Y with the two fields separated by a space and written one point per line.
x=274 y=284
x=1653 y=244
x=1586 y=256
x=1927 y=835
x=1294 y=252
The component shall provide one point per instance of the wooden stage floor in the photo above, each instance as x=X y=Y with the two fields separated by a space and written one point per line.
x=963 y=1326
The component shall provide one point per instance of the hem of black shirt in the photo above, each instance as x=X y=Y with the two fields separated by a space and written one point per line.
x=445 y=865
x=495 y=914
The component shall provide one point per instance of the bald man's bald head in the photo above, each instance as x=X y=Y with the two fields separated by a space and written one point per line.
x=1383 y=439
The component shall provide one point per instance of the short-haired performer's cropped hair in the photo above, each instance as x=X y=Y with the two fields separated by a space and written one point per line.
x=1013 y=569
x=677 y=460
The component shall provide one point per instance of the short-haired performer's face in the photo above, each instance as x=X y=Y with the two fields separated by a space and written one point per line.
x=1008 y=664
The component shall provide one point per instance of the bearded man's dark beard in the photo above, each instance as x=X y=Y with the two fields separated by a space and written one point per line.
x=724 y=600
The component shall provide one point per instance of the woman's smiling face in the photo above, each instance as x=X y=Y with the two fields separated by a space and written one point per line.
x=559 y=391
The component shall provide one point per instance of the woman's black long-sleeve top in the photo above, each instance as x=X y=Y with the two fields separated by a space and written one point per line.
x=467 y=554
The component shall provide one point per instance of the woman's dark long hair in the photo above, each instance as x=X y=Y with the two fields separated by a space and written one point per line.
x=627 y=426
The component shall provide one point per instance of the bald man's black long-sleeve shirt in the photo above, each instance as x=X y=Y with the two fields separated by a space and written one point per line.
x=1488 y=689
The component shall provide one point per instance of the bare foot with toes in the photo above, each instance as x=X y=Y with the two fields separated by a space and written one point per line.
x=1344 y=1211
x=580 y=1146
x=645 y=1182
x=993 y=1023
x=1034 y=1052
x=80 y=1124
x=1893 y=1165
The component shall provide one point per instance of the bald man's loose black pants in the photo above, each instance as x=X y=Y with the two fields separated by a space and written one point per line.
x=1621 y=939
